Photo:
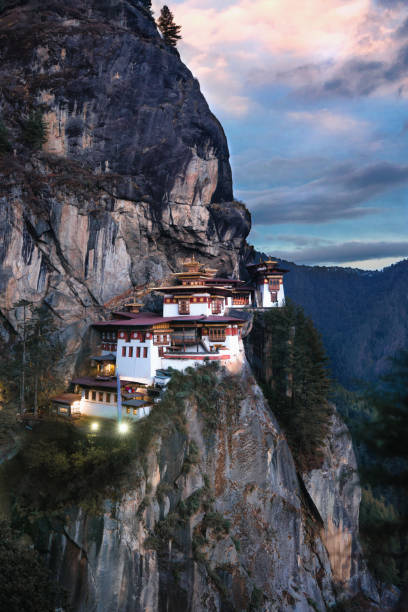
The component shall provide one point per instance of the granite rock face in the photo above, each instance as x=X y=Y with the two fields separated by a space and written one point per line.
x=274 y=557
x=134 y=174
x=335 y=490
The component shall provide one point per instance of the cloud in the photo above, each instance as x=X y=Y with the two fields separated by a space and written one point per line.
x=322 y=48
x=325 y=119
x=297 y=240
x=341 y=194
x=346 y=252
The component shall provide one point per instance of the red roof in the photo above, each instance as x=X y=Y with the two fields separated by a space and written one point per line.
x=126 y=315
x=140 y=318
x=87 y=381
x=66 y=398
x=147 y=319
x=216 y=319
x=224 y=280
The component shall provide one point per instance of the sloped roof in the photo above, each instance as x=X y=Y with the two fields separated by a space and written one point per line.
x=148 y=319
x=66 y=398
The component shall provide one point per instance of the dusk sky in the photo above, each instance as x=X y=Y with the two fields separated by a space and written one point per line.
x=313 y=97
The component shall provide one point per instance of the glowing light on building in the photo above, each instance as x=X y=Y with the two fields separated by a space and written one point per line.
x=123 y=428
x=94 y=426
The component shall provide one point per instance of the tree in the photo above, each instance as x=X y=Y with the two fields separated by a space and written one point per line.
x=385 y=437
x=5 y=146
x=26 y=583
x=30 y=368
x=35 y=130
x=299 y=385
x=170 y=31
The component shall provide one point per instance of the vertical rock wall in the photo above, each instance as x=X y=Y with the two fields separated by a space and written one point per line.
x=147 y=553
x=134 y=174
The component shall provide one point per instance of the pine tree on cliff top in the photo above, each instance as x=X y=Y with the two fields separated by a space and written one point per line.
x=170 y=31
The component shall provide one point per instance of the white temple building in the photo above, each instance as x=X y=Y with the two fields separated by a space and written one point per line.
x=139 y=350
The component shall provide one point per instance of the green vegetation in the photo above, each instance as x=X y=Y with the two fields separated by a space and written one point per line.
x=298 y=386
x=35 y=130
x=192 y=457
x=170 y=31
x=378 y=516
x=385 y=470
x=61 y=465
x=30 y=369
x=257 y=599
x=26 y=584
x=5 y=146
x=378 y=421
x=95 y=467
x=216 y=522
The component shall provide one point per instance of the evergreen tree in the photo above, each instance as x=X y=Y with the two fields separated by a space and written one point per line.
x=26 y=583
x=385 y=437
x=30 y=368
x=5 y=146
x=35 y=130
x=170 y=31
x=298 y=388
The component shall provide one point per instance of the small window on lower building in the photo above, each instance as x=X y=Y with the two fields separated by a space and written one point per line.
x=134 y=411
x=145 y=351
x=130 y=352
x=87 y=394
x=108 y=398
x=123 y=351
x=115 y=398
x=127 y=410
x=138 y=351
x=94 y=396
x=100 y=396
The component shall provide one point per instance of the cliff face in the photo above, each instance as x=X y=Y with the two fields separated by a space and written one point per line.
x=134 y=174
x=233 y=532
x=336 y=492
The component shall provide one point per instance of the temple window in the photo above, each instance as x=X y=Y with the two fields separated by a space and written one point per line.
x=216 y=333
x=145 y=351
x=94 y=396
x=123 y=351
x=274 y=296
x=216 y=306
x=87 y=394
x=184 y=306
x=108 y=398
x=138 y=351
x=130 y=353
x=274 y=284
x=100 y=396
x=240 y=300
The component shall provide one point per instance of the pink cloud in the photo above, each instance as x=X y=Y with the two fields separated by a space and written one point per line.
x=230 y=46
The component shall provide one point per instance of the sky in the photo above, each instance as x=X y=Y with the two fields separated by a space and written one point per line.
x=313 y=98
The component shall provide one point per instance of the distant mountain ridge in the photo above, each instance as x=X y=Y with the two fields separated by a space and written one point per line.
x=361 y=314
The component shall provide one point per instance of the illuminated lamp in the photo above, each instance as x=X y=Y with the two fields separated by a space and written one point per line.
x=94 y=426
x=123 y=428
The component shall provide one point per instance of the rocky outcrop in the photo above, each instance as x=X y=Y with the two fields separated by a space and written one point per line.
x=335 y=490
x=134 y=174
x=232 y=532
